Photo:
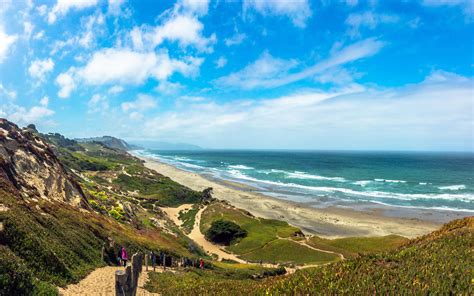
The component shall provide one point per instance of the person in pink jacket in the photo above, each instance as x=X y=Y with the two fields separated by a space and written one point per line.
x=124 y=256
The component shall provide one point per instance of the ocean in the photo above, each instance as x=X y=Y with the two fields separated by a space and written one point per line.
x=433 y=181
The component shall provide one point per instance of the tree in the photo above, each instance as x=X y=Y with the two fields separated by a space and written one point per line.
x=225 y=232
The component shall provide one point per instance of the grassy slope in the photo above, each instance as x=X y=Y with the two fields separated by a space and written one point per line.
x=266 y=240
x=195 y=281
x=61 y=245
x=439 y=263
x=46 y=244
x=352 y=246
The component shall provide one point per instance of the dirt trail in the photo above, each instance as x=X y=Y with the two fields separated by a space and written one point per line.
x=101 y=282
x=173 y=213
x=209 y=247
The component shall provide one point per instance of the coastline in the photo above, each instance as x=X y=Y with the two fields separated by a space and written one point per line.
x=329 y=222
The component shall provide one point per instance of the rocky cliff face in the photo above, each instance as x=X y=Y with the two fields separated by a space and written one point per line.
x=30 y=165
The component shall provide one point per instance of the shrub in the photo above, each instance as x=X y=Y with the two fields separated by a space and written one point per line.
x=15 y=277
x=225 y=232
x=117 y=213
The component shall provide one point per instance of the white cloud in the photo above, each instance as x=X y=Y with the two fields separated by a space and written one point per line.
x=44 y=101
x=115 y=6
x=39 y=68
x=6 y=41
x=129 y=67
x=27 y=29
x=411 y=117
x=142 y=103
x=136 y=116
x=97 y=103
x=116 y=89
x=369 y=20
x=199 y=7
x=42 y=10
x=22 y=115
x=253 y=75
x=10 y=94
x=39 y=35
x=221 y=62
x=66 y=83
x=298 y=11
x=236 y=39
x=269 y=72
x=184 y=29
x=466 y=5
x=62 y=7
x=169 y=88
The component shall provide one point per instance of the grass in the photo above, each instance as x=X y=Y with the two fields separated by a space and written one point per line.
x=353 y=246
x=189 y=218
x=439 y=263
x=289 y=252
x=60 y=245
x=266 y=240
x=196 y=281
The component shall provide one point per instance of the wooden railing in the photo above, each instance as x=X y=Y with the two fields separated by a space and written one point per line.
x=126 y=281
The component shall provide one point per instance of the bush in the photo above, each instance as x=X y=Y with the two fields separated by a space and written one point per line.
x=225 y=232
x=15 y=277
x=117 y=213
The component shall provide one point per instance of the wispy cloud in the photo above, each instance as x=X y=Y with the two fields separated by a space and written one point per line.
x=298 y=11
x=354 y=118
x=270 y=72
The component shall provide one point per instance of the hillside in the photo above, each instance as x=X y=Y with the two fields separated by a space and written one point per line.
x=110 y=142
x=439 y=263
x=63 y=201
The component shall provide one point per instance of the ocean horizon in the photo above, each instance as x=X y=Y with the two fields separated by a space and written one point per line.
x=428 y=180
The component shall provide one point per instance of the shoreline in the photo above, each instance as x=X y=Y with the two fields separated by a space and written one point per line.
x=328 y=222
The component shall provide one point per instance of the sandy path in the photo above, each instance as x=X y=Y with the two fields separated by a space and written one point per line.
x=101 y=282
x=173 y=213
x=209 y=247
x=328 y=222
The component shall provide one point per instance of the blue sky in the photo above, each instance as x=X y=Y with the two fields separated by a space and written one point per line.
x=384 y=75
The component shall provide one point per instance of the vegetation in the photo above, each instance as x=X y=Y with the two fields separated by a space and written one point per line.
x=268 y=240
x=227 y=277
x=353 y=246
x=157 y=189
x=225 y=232
x=189 y=218
x=59 y=244
x=439 y=263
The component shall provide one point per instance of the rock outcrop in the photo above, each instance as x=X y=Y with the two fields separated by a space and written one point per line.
x=29 y=164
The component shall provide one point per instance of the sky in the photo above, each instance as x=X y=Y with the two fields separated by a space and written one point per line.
x=251 y=74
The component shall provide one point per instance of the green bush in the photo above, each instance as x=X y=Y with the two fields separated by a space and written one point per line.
x=117 y=213
x=15 y=277
x=225 y=232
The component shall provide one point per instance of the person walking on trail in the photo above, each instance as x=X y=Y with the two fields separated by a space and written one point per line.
x=119 y=257
x=163 y=259
x=124 y=257
x=153 y=260
x=201 y=263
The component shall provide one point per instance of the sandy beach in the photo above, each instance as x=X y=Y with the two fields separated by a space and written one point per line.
x=329 y=222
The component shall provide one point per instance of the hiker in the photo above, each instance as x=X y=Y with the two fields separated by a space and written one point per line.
x=201 y=263
x=124 y=257
x=153 y=260
x=163 y=259
x=119 y=257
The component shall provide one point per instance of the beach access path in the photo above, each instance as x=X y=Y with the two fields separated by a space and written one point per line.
x=101 y=282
